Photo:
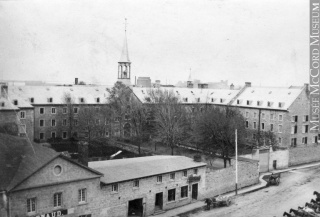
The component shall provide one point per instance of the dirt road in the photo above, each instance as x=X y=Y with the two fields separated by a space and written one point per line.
x=296 y=188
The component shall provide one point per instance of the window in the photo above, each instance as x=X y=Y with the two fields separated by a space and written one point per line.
x=280 y=129
x=238 y=101
x=136 y=183
x=64 y=135
x=262 y=126
x=263 y=115
x=254 y=115
x=32 y=100
x=98 y=100
x=53 y=135
x=304 y=140
x=22 y=115
x=172 y=176
x=41 y=110
x=64 y=110
x=75 y=110
x=248 y=102
x=315 y=139
x=171 y=195
x=53 y=122
x=269 y=104
x=271 y=116
x=247 y=124
x=50 y=99
x=68 y=99
x=221 y=100
x=185 y=173
x=305 y=118
x=41 y=136
x=159 y=179
x=53 y=110
x=64 y=122
x=305 y=128
x=82 y=195
x=280 y=117
x=258 y=103
x=31 y=204
x=254 y=125
x=41 y=123
x=57 y=199
x=185 y=99
x=294 y=118
x=195 y=171
x=280 y=104
x=294 y=129
x=15 y=102
x=294 y=142
x=271 y=127
x=81 y=99
x=184 y=191
x=247 y=114
x=75 y=122
x=115 y=187
x=280 y=140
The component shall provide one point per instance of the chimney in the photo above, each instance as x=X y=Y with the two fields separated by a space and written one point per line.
x=306 y=87
x=189 y=84
x=248 y=84
x=83 y=153
x=76 y=81
x=4 y=90
x=232 y=87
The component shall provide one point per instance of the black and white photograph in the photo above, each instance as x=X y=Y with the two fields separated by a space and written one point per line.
x=165 y=108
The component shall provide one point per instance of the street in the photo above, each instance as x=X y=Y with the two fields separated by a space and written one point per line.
x=295 y=189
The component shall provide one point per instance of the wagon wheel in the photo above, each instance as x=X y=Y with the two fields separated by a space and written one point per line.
x=278 y=181
x=228 y=202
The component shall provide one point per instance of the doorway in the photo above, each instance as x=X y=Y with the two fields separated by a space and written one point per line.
x=159 y=201
x=195 y=191
x=135 y=208
x=275 y=164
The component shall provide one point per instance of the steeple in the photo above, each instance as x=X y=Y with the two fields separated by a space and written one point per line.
x=124 y=65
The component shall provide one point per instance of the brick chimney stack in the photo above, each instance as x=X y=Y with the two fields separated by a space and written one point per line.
x=83 y=153
x=248 y=84
x=76 y=81
x=4 y=90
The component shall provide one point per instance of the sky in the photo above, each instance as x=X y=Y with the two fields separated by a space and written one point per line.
x=264 y=42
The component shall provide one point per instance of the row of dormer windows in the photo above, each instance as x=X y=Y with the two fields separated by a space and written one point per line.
x=259 y=103
x=50 y=100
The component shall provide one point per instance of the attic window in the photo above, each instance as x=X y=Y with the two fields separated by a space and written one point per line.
x=15 y=102
x=281 y=104
x=185 y=99
x=31 y=99
x=258 y=103
x=212 y=99
x=248 y=102
x=221 y=100
x=81 y=99
x=269 y=104
x=68 y=99
x=50 y=99
x=98 y=100
x=2 y=104
x=238 y=101
x=198 y=100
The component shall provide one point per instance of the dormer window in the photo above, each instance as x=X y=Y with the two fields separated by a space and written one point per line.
x=98 y=100
x=221 y=100
x=185 y=99
x=269 y=104
x=212 y=99
x=248 y=102
x=259 y=103
x=68 y=99
x=32 y=100
x=50 y=99
x=281 y=104
x=2 y=104
x=238 y=101
x=81 y=99
x=15 y=102
x=198 y=99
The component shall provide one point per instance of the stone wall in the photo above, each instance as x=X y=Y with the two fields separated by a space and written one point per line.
x=223 y=180
x=131 y=148
x=281 y=157
x=302 y=155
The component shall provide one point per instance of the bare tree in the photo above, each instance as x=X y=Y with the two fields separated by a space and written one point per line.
x=215 y=128
x=170 y=118
x=69 y=102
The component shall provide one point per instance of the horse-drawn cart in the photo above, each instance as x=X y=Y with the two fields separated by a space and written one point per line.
x=218 y=201
x=274 y=179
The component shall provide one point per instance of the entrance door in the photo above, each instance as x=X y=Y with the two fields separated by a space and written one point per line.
x=135 y=208
x=275 y=164
x=159 y=201
x=195 y=191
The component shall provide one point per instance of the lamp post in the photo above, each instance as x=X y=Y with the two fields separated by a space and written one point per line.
x=236 y=161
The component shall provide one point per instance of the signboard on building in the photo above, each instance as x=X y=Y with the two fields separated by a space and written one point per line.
x=57 y=213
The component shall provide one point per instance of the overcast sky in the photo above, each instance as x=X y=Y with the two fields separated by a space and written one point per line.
x=265 y=41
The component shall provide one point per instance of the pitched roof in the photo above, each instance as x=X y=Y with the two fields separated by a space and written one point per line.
x=134 y=168
x=18 y=161
x=5 y=104
x=88 y=93
x=191 y=95
x=125 y=53
x=268 y=97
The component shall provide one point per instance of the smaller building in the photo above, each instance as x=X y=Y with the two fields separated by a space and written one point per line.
x=143 y=82
x=147 y=185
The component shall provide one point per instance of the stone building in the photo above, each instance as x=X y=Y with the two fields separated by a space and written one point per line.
x=149 y=185
x=37 y=181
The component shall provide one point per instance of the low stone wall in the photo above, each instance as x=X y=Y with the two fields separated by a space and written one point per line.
x=302 y=155
x=281 y=158
x=223 y=180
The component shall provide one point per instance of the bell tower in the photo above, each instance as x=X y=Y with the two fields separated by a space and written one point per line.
x=124 y=64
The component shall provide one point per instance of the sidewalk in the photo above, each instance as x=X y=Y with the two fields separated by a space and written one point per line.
x=262 y=184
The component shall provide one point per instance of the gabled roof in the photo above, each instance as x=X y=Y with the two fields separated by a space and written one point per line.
x=41 y=94
x=192 y=95
x=134 y=168
x=5 y=104
x=19 y=160
x=268 y=97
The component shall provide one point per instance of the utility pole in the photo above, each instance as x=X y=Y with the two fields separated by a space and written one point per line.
x=236 y=140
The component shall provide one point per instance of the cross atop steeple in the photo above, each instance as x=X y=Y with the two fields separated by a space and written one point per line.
x=125 y=53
